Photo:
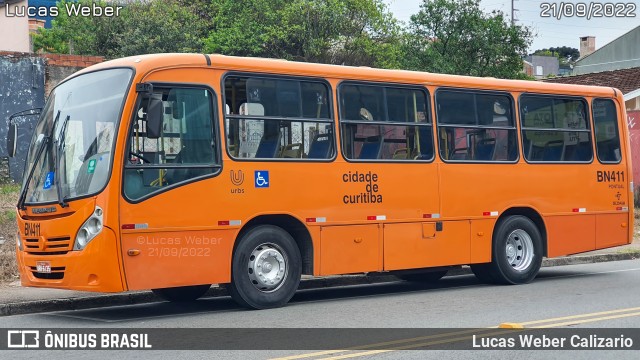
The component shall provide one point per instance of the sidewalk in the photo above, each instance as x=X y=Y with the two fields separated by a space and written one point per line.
x=15 y=299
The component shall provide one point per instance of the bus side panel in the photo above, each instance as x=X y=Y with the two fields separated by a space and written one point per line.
x=177 y=258
x=349 y=249
x=570 y=234
x=612 y=230
x=419 y=245
x=481 y=237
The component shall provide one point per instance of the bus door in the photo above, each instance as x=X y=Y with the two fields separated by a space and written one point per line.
x=167 y=236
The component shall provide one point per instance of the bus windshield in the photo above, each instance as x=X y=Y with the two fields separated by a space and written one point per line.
x=73 y=141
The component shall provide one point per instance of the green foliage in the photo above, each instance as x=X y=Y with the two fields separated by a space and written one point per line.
x=447 y=36
x=8 y=189
x=566 y=54
x=7 y=216
x=351 y=32
x=144 y=26
x=457 y=37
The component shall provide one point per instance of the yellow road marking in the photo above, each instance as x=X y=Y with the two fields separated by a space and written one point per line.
x=588 y=320
x=412 y=346
x=401 y=341
x=303 y=356
x=579 y=316
x=575 y=319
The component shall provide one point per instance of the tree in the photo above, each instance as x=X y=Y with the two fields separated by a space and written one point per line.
x=351 y=32
x=457 y=37
x=142 y=27
x=566 y=54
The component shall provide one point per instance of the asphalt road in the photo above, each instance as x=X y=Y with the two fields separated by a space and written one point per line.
x=603 y=295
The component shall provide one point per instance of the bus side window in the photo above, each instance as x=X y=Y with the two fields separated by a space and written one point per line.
x=277 y=118
x=185 y=149
x=555 y=129
x=381 y=122
x=476 y=126
x=605 y=119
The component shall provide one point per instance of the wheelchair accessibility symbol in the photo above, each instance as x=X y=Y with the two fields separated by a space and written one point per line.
x=48 y=181
x=261 y=179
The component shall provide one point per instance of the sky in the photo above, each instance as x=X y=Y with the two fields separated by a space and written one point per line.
x=550 y=32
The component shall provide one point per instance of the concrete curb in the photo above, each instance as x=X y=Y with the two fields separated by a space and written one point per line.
x=142 y=297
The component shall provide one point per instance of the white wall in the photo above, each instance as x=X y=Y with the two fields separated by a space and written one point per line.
x=14 y=31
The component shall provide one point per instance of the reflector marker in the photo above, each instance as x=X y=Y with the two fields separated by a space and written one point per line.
x=490 y=213
x=377 y=217
x=579 y=210
x=134 y=226
x=431 y=216
x=622 y=208
x=229 y=222
x=317 y=220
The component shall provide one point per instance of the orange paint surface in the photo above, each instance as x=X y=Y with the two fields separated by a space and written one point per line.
x=464 y=197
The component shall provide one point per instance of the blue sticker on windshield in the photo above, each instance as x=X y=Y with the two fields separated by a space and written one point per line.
x=48 y=181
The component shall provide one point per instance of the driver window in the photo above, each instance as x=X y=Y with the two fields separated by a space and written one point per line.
x=184 y=150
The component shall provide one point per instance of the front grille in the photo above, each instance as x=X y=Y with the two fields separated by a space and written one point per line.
x=51 y=246
x=57 y=273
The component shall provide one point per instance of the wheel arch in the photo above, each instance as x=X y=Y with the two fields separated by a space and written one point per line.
x=291 y=225
x=532 y=215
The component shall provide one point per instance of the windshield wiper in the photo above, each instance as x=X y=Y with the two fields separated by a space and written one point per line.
x=43 y=144
x=56 y=158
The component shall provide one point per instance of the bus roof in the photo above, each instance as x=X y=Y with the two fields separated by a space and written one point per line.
x=146 y=63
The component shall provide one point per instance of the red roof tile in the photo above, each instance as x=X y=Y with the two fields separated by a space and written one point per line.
x=627 y=80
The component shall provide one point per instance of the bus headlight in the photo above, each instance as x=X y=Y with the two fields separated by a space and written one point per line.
x=89 y=230
x=19 y=240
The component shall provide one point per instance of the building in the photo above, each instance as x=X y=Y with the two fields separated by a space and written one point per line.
x=587 y=45
x=14 y=29
x=46 y=19
x=543 y=66
x=616 y=65
x=621 y=53
x=626 y=80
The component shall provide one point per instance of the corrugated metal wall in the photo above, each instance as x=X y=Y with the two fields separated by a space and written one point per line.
x=21 y=87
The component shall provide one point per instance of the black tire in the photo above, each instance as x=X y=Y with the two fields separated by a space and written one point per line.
x=183 y=293
x=518 y=236
x=483 y=273
x=251 y=291
x=426 y=277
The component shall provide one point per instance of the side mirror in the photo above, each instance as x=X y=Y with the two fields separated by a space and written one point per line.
x=12 y=135
x=12 y=138
x=155 y=116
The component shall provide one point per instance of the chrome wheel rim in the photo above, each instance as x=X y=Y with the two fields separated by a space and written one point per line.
x=519 y=250
x=267 y=267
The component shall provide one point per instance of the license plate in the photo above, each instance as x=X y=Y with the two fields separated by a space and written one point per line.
x=43 y=267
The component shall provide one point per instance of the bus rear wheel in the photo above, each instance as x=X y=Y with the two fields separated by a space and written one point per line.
x=517 y=252
x=183 y=293
x=266 y=268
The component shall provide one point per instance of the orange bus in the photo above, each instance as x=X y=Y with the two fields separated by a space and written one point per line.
x=173 y=172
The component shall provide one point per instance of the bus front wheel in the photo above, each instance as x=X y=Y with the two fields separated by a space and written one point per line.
x=517 y=252
x=266 y=268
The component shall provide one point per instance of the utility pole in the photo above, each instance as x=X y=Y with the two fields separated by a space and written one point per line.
x=513 y=13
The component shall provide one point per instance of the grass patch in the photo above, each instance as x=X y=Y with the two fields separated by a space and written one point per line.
x=8 y=264
x=629 y=251
x=9 y=189
x=7 y=216
x=8 y=198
